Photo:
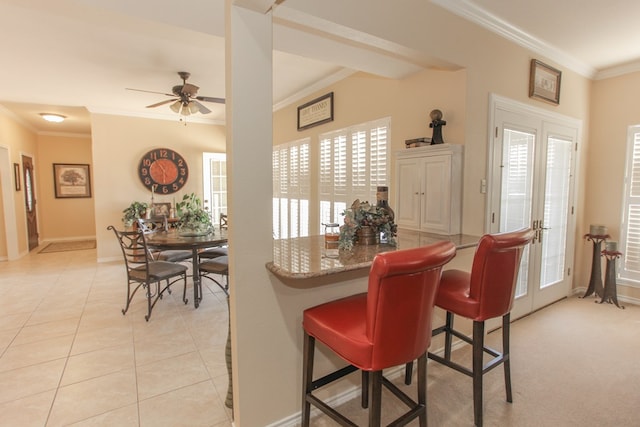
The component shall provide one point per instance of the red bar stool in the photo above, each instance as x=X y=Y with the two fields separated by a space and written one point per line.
x=485 y=293
x=387 y=326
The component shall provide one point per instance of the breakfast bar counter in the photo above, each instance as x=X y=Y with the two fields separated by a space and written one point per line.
x=304 y=257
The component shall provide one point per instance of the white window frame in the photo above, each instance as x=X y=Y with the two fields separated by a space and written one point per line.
x=629 y=271
x=215 y=195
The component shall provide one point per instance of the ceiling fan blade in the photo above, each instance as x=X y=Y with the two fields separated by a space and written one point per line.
x=190 y=89
x=210 y=99
x=157 y=104
x=150 y=91
x=201 y=108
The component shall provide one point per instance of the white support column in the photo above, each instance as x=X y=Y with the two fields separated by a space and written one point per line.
x=249 y=103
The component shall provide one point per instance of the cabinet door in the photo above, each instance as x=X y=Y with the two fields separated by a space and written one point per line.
x=408 y=190
x=435 y=206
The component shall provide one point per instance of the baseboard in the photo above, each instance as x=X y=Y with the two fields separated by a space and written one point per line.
x=621 y=298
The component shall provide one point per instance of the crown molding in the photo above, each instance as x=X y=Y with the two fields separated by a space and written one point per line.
x=472 y=12
x=618 y=70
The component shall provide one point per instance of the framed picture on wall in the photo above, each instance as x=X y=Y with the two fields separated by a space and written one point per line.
x=71 y=180
x=316 y=112
x=544 y=82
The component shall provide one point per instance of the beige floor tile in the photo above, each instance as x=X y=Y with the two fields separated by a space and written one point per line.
x=97 y=363
x=56 y=328
x=93 y=397
x=122 y=417
x=22 y=382
x=18 y=356
x=152 y=349
x=102 y=338
x=9 y=322
x=170 y=374
x=198 y=403
x=30 y=411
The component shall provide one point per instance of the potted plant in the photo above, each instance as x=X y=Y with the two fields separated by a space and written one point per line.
x=133 y=212
x=192 y=217
x=366 y=224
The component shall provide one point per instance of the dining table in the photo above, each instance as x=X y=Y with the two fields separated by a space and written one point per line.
x=174 y=239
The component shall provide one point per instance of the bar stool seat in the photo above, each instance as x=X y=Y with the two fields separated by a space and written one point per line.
x=387 y=326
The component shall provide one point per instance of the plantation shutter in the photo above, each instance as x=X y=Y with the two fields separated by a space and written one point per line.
x=353 y=163
x=291 y=190
x=630 y=238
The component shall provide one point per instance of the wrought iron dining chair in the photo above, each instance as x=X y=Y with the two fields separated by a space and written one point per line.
x=218 y=265
x=157 y=224
x=144 y=272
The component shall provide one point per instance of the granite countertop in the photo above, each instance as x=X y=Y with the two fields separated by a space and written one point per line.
x=303 y=257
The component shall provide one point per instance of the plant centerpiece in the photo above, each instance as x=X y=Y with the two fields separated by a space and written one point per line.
x=363 y=216
x=133 y=212
x=192 y=217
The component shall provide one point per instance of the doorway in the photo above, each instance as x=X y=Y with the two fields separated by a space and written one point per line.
x=533 y=161
x=30 y=201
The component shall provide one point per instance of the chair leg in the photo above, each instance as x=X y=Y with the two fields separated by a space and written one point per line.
x=448 y=338
x=375 y=411
x=422 y=388
x=478 y=353
x=506 y=325
x=307 y=376
x=365 y=390
x=408 y=372
x=184 y=290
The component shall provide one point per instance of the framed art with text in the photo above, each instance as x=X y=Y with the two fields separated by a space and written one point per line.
x=316 y=112
x=544 y=82
x=71 y=180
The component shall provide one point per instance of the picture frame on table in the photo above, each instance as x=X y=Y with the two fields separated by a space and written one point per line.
x=161 y=209
x=71 y=180
x=16 y=176
x=544 y=82
x=316 y=112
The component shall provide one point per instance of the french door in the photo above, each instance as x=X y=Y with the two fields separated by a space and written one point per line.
x=533 y=160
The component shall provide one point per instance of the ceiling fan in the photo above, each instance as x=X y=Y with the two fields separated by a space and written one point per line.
x=184 y=98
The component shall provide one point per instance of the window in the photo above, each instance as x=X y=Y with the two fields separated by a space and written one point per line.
x=353 y=163
x=630 y=233
x=291 y=189
x=215 y=184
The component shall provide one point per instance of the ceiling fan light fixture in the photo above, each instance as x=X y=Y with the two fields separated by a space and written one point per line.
x=193 y=108
x=53 y=118
x=175 y=107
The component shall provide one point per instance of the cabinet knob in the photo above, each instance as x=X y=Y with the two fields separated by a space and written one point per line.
x=417 y=193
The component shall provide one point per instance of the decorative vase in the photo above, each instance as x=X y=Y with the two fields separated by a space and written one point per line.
x=366 y=235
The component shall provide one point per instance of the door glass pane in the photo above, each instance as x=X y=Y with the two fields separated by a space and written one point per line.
x=516 y=193
x=556 y=211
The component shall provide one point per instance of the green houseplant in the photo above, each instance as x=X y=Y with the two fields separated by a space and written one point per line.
x=133 y=212
x=192 y=217
x=362 y=215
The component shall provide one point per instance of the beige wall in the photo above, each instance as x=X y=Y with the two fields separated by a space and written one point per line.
x=119 y=143
x=63 y=219
x=17 y=140
x=614 y=108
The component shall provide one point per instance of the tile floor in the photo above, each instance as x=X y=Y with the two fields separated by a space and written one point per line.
x=69 y=357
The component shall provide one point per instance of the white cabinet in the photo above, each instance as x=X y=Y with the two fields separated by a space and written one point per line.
x=428 y=188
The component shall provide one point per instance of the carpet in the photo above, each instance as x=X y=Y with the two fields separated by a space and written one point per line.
x=76 y=245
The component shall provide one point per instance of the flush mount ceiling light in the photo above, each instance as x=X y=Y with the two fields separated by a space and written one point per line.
x=55 y=118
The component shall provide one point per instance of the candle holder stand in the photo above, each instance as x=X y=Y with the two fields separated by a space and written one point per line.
x=610 y=294
x=595 y=282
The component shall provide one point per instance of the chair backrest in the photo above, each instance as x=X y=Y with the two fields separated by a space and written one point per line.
x=400 y=300
x=134 y=247
x=494 y=272
x=153 y=224
x=223 y=220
